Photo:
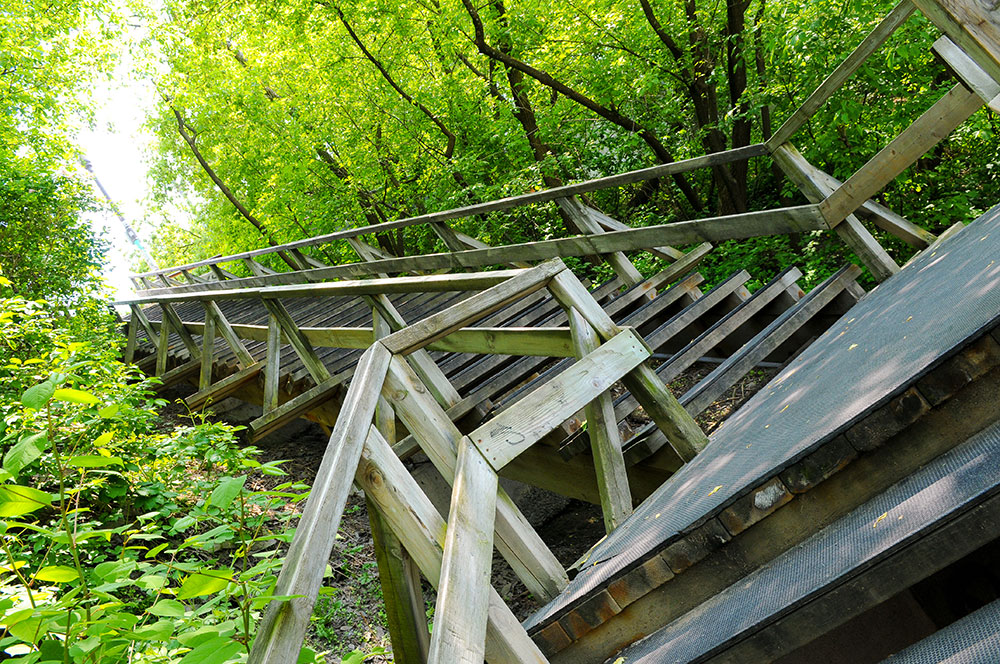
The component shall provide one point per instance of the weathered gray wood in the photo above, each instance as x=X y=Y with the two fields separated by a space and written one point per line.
x=272 y=369
x=377 y=286
x=966 y=68
x=130 y=341
x=580 y=215
x=716 y=229
x=545 y=195
x=974 y=26
x=274 y=419
x=611 y=224
x=243 y=356
x=547 y=406
x=851 y=231
x=170 y=314
x=283 y=627
x=605 y=442
x=460 y=614
x=677 y=425
x=178 y=373
x=422 y=531
x=207 y=353
x=834 y=81
x=256 y=268
x=714 y=385
x=298 y=341
x=163 y=348
x=224 y=387
x=438 y=436
x=926 y=131
x=438 y=325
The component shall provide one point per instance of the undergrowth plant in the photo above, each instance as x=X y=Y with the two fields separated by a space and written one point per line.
x=119 y=542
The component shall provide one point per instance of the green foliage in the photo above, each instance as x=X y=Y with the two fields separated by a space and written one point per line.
x=119 y=541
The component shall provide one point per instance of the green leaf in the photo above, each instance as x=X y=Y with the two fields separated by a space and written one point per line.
x=75 y=396
x=227 y=491
x=36 y=397
x=103 y=439
x=57 y=574
x=108 y=411
x=95 y=461
x=204 y=582
x=216 y=651
x=26 y=450
x=353 y=657
x=167 y=608
x=158 y=631
x=16 y=500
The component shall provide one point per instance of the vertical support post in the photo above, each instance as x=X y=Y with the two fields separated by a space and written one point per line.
x=162 y=347
x=133 y=331
x=299 y=342
x=207 y=353
x=243 y=356
x=397 y=571
x=605 y=442
x=272 y=367
x=618 y=261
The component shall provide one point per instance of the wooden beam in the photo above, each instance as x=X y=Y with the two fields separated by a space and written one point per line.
x=714 y=229
x=243 y=356
x=926 y=131
x=851 y=231
x=224 y=387
x=207 y=353
x=175 y=323
x=163 y=348
x=283 y=627
x=605 y=441
x=844 y=71
x=552 y=403
x=298 y=341
x=438 y=436
x=438 y=325
x=543 y=196
x=274 y=419
x=178 y=373
x=974 y=26
x=611 y=224
x=580 y=215
x=422 y=530
x=971 y=73
x=272 y=365
x=130 y=341
x=678 y=426
x=462 y=608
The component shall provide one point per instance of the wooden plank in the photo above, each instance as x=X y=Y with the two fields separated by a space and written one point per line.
x=274 y=419
x=662 y=407
x=376 y=286
x=139 y=315
x=516 y=540
x=224 y=387
x=283 y=627
x=971 y=73
x=422 y=530
x=130 y=342
x=714 y=229
x=178 y=373
x=207 y=353
x=545 y=195
x=545 y=408
x=163 y=348
x=462 y=608
x=851 y=231
x=926 y=131
x=272 y=370
x=605 y=442
x=619 y=262
x=257 y=268
x=298 y=341
x=611 y=224
x=714 y=385
x=844 y=71
x=175 y=324
x=974 y=26
x=438 y=325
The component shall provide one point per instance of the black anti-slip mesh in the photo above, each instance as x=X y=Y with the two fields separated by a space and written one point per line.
x=948 y=486
x=896 y=333
x=975 y=639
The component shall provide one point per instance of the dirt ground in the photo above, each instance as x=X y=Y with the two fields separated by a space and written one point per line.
x=349 y=614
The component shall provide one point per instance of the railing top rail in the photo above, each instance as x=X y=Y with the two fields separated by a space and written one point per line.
x=542 y=196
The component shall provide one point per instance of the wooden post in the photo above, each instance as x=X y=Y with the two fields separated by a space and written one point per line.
x=298 y=341
x=605 y=442
x=139 y=315
x=283 y=627
x=162 y=348
x=272 y=368
x=169 y=314
x=243 y=356
x=207 y=353
x=683 y=433
x=133 y=330
x=618 y=261
x=397 y=571
x=974 y=26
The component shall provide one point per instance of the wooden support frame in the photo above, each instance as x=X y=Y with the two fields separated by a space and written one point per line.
x=283 y=627
x=225 y=387
x=974 y=26
x=969 y=71
x=580 y=215
x=298 y=341
x=207 y=353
